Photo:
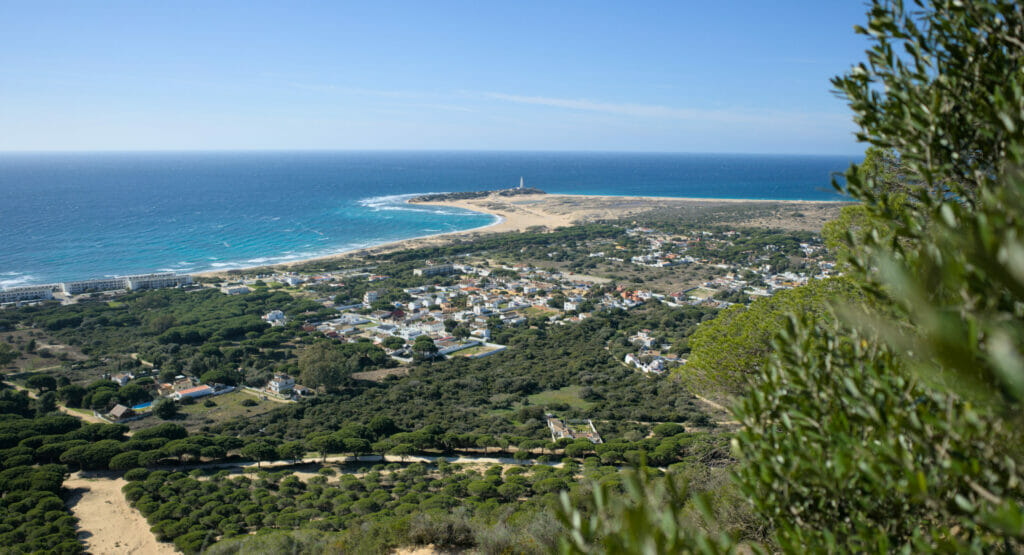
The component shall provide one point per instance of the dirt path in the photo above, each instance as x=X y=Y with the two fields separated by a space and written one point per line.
x=135 y=356
x=87 y=416
x=711 y=403
x=106 y=522
x=718 y=406
x=269 y=465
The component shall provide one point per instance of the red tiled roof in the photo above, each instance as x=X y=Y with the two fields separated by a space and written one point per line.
x=195 y=389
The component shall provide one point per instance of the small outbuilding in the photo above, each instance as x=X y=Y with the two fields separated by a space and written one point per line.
x=120 y=412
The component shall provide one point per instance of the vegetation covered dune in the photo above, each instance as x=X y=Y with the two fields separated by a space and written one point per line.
x=520 y=213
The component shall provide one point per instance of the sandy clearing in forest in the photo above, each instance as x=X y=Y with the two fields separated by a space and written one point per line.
x=106 y=522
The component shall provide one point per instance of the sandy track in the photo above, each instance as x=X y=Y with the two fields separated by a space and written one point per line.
x=106 y=522
x=88 y=417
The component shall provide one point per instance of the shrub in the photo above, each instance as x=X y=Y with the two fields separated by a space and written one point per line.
x=136 y=474
x=443 y=531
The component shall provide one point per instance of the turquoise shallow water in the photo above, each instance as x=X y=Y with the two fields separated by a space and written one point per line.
x=74 y=216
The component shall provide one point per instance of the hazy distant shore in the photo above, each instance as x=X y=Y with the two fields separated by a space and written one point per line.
x=553 y=211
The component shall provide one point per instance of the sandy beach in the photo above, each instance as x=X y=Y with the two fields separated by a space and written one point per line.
x=553 y=211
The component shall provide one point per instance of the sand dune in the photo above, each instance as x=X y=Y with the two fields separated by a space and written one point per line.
x=106 y=522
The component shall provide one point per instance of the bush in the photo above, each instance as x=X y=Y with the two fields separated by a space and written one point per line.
x=136 y=474
x=124 y=461
x=443 y=531
x=669 y=429
x=166 y=409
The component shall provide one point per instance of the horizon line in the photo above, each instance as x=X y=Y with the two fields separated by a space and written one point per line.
x=411 y=150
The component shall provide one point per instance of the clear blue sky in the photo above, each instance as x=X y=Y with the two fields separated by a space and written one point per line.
x=687 y=76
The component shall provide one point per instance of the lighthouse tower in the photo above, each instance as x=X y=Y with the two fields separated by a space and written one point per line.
x=520 y=182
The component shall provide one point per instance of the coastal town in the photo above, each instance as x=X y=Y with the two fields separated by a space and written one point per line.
x=458 y=303
x=446 y=309
x=233 y=351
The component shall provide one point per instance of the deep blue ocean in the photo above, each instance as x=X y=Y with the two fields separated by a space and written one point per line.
x=76 y=216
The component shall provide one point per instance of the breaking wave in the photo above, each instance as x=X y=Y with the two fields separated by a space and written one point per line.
x=401 y=203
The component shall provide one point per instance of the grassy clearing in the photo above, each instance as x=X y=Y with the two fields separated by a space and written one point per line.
x=48 y=352
x=569 y=395
x=380 y=375
x=475 y=350
x=703 y=293
x=228 y=406
x=539 y=311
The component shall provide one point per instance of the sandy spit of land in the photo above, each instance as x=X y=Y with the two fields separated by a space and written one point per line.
x=551 y=211
x=106 y=522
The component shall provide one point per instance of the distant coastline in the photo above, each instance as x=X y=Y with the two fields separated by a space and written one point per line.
x=518 y=210
x=526 y=211
x=196 y=212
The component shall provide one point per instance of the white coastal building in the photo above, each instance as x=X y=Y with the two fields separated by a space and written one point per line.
x=156 y=281
x=370 y=297
x=28 y=293
x=436 y=270
x=137 y=282
x=274 y=318
x=92 y=285
x=281 y=384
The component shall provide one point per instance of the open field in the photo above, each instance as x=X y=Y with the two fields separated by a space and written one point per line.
x=569 y=395
x=702 y=292
x=228 y=406
x=45 y=353
x=476 y=350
